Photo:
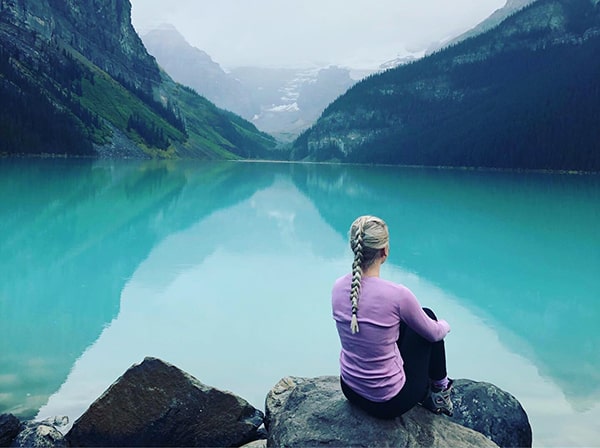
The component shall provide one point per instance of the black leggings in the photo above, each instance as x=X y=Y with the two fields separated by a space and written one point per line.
x=423 y=360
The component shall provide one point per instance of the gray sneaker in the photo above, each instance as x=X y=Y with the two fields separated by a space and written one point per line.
x=438 y=400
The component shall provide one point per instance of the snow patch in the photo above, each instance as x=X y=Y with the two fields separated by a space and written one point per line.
x=285 y=108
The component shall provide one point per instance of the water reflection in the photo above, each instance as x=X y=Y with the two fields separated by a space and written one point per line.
x=522 y=249
x=225 y=270
x=73 y=232
x=246 y=303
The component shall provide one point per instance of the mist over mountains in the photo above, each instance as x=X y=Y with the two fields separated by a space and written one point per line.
x=280 y=101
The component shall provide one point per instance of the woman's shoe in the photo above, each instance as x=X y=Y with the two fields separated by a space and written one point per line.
x=438 y=400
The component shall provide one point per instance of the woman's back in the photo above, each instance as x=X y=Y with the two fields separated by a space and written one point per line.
x=370 y=359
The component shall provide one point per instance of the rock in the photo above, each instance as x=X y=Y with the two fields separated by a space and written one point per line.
x=313 y=411
x=491 y=411
x=39 y=435
x=156 y=404
x=10 y=427
x=261 y=443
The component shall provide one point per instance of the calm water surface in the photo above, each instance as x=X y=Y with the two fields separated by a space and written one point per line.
x=225 y=270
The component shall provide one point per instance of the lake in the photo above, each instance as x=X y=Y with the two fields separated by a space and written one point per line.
x=225 y=270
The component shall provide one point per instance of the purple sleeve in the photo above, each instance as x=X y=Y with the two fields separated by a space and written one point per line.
x=412 y=313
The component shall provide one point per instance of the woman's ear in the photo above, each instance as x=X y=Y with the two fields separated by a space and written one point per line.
x=385 y=252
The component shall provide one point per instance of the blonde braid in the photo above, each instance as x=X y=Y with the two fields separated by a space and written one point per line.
x=356 y=276
x=368 y=235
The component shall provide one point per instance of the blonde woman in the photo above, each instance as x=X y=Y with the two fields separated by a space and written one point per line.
x=393 y=354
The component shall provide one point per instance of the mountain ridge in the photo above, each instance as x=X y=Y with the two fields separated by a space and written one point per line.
x=493 y=20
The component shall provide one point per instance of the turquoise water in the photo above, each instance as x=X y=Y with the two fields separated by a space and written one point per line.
x=225 y=269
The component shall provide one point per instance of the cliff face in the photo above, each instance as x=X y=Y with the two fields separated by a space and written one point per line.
x=76 y=79
x=99 y=29
x=495 y=100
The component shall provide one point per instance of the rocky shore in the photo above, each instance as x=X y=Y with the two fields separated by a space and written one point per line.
x=156 y=404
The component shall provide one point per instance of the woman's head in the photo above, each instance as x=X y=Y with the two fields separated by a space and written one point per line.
x=369 y=237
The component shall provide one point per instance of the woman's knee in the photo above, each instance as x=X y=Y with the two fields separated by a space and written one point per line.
x=430 y=313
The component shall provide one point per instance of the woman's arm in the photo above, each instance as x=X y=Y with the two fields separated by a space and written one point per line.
x=415 y=317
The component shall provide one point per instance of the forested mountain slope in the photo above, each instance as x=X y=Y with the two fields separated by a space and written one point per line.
x=76 y=79
x=524 y=95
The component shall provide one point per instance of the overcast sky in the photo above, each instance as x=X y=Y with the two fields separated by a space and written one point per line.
x=352 y=33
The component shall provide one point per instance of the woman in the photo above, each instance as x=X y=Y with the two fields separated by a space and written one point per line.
x=393 y=354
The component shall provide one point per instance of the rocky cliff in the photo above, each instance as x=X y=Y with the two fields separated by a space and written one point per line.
x=523 y=95
x=75 y=78
x=99 y=29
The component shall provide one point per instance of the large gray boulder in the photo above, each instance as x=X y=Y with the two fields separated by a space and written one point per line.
x=314 y=412
x=156 y=404
x=491 y=411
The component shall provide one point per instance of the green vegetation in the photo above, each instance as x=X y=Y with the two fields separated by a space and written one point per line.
x=68 y=105
x=29 y=119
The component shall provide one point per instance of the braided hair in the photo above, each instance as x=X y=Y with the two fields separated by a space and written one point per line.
x=368 y=235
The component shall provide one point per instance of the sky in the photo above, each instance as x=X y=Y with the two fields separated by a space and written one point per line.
x=302 y=33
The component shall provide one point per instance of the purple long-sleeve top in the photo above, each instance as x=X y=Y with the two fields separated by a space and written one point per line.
x=370 y=361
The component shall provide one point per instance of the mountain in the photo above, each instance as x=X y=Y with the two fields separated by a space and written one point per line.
x=524 y=95
x=288 y=100
x=193 y=67
x=280 y=101
x=76 y=79
x=493 y=20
